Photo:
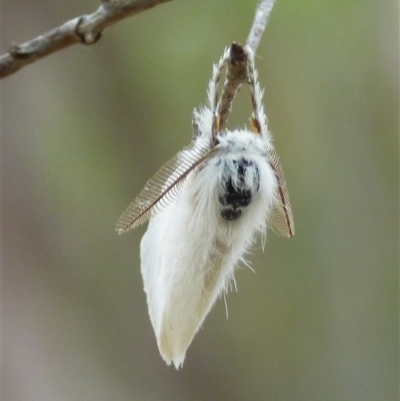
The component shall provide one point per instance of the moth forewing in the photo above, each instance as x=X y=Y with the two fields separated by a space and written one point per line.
x=281 y=217
x=164 y=187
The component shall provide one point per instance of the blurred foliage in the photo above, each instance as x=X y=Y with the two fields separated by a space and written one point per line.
x=82 y=131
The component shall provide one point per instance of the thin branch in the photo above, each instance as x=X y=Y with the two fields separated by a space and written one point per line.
x=261 y=18
x=237 y=65
x=85 y=29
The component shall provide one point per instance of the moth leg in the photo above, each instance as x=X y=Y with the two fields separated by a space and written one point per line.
x=196 y=124
x=258 y=117
x=206 y=120
x=215 y=125
x=213 y=92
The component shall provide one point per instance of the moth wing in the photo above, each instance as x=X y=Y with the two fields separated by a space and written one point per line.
x=164 y=187
x=281 y=217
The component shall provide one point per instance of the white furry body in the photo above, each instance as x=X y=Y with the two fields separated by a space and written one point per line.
x=189 y=252
x=206 y=205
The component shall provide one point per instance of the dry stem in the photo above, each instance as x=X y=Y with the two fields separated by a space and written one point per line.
x=85 y=29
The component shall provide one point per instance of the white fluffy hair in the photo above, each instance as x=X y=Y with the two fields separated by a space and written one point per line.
x=206 y=207
x=189 y=252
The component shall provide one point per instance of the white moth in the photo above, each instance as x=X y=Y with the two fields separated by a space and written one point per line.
x=206 y=207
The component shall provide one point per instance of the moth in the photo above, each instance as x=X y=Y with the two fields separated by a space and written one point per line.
x=206 y=207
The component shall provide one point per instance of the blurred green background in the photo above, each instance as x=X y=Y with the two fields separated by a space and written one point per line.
x=83 y=129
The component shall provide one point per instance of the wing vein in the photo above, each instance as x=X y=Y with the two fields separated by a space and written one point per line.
x=281 y=218
x=165 y=186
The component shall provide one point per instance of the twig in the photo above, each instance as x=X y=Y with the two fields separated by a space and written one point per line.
x=85 y=29
x=237 y=65
x=261 y=18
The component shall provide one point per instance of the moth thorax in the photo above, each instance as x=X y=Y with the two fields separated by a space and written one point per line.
x=239 y=184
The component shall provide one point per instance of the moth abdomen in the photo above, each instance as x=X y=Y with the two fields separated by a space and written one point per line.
x=240 y=183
